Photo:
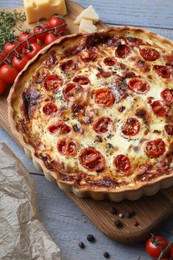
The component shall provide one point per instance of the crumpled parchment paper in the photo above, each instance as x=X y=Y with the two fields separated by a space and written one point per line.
x=22 y=235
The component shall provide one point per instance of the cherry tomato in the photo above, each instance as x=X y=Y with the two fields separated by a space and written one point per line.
x=155 y=245
x=89 y=55
x=122 y=51
x=122 y=163
x=159 y=109
x=2 y=56
x=81 y=80
x=109 y=61
x=67 y=147
x=9 y=46
x=167 y=95
x=91 y=159
x=52 y=82
x=25 y=35
x=50 y=37
x=104 y=97
x=32 y=50
x=40 y=29
x=162 y=71
x=138 y=86
x=130 y=127
x=2 y=86
x=149 y=54
x=19 y=63
x=57 y=20
x=49 y=109
x=59 y=128
x=8 y=73
x=169 y=129
x=103 y=124
x=155 y=148
x=171 y=251
x=71 y=91
x=68 y=65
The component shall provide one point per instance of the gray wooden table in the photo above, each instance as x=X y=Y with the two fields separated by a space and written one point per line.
x=65 y=222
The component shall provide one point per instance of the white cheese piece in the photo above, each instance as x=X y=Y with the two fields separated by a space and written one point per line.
x=87 y=26
x=43 y=9
x=87 y=14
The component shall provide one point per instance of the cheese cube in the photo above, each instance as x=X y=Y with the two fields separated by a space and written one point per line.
x=43 y=9
x=87 y=14
x=87 y=26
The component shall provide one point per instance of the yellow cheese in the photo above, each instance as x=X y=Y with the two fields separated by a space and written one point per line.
x=43 y=9
x=87 y=26
x=87 y=14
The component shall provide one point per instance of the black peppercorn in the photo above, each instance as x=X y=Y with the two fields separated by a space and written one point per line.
x=81 y=244
x=130 y=214
x=118 y=224
x=113 y=211
x=91 y=238
x=106 y=254
x=133 y=213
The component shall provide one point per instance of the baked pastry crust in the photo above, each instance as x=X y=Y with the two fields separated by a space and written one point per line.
x=111 y=137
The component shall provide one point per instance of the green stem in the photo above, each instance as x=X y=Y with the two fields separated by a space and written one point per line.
x=164 y=251
x=27 y=40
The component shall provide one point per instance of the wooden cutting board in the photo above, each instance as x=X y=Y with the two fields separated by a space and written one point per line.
x=149 y=211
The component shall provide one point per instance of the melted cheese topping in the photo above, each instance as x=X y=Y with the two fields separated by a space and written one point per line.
x=81 y=111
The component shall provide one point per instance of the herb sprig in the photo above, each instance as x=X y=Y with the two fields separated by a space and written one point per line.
x=9 y=19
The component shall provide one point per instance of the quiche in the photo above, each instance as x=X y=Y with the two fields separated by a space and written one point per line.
x=95 y=113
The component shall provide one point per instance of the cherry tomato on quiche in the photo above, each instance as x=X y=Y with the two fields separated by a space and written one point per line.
x=59 y=128
x=72 y=90
x=32 y=50
x=155 y=245
x=169 y=129
x=8 y=73
x=130 y=126
x=155 y=148
x=40 y=29
x=20 y=62
x=122 y=163
x=138 y=86
x=2 y=86
x=67 y=146
x=103 y=124
x=50 y=37
x=149 y=54
x=91 y=159
x=57 y=20
x=104 y=97
x=167 y=95
x=49 y=109
x=52 y=82
x=159 y=109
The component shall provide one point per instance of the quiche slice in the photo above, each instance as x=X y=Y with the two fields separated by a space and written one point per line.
x=95 y=113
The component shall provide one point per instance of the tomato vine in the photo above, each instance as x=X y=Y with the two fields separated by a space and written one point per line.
x=15 y=53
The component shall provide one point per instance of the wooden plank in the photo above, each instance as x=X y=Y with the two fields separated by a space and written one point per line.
x=157 y=207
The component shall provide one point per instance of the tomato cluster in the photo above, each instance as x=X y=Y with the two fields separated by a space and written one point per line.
x=16 y=54
x=158 y=248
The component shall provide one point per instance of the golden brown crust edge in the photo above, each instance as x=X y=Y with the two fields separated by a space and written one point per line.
x=101 y=193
